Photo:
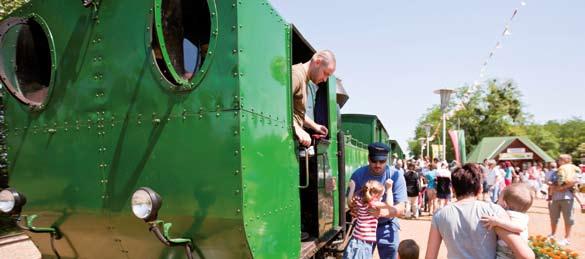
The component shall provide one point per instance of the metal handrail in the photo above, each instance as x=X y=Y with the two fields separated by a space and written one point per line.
x=306 y=185
x=354 y=142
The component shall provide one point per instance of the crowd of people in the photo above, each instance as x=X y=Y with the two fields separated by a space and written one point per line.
x=470 y=204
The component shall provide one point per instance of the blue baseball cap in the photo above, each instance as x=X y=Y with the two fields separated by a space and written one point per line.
x=378 y=151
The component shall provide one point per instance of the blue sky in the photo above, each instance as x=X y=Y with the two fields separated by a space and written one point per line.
x=391 y=55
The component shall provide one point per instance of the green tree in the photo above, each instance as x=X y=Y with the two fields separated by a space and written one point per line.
x=572 y=134
x=8 y=6
x=579 y=154
x=496 y=110
x=491 y=111
x=569 y=134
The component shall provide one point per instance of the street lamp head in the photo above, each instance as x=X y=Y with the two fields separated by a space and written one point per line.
x=445 y=95
x=427 y=127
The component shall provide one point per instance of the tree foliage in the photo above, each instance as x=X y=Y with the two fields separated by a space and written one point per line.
x=580 y=152
x=7 y=6
x=492 y=110
x=570 y=135
x=496 y=110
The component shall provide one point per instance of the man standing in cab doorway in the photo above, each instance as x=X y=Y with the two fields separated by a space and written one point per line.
x=316 y=70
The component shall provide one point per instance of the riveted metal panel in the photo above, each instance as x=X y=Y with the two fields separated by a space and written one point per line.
x=264 y=61
x=269 y=168
x=191 y=160
x=355 y=157
x=270 y=177
x=49 y=171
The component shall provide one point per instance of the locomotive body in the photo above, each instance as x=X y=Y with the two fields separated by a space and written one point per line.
x=191 y=99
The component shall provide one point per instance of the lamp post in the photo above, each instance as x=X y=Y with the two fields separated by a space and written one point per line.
x=427 y=128
x=445 y=94
x=422 y=145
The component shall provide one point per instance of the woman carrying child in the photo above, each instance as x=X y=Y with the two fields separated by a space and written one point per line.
x=458 y=224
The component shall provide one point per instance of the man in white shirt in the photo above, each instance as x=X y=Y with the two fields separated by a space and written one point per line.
x=494 y=177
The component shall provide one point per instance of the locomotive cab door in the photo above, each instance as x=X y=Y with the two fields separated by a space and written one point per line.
x=317 y=183
x=316 y=192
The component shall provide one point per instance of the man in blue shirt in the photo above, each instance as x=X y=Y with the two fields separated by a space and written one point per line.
x=377 y=169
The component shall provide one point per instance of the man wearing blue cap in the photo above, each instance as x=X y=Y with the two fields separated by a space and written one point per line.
x=387 y=239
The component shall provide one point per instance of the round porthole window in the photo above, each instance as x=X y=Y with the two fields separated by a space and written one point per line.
x=26 y=59
x=184 y=39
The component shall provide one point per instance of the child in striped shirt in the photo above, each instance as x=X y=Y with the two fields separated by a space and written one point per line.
x=364 y=233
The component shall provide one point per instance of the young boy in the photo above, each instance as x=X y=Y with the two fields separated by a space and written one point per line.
x=567 y=170
x=364 y=234
x=408 y=249
x=516 y=199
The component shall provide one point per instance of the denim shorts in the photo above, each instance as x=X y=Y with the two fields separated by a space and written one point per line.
x=359 y=249
x=556 y=207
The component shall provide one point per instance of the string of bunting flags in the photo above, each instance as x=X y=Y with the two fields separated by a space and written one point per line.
x=476 y=86
x=506 y=32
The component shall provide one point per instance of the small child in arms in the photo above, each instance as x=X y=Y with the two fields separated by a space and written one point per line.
x=364 y=234
x=516 y=199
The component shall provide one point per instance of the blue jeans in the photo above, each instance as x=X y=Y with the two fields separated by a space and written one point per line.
x=388 y=239
x=494 y=193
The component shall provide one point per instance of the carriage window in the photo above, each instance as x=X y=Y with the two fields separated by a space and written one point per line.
x=25 y=60
x=181 y=38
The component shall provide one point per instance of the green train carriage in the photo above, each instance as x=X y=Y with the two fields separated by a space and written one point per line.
x=367 y=128
x=396 y=149
x=97 y=103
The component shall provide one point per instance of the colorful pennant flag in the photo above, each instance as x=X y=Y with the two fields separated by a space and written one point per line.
x=458 y=141
x=436 y=151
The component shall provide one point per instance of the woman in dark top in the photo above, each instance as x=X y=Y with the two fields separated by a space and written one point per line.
x=443 y=185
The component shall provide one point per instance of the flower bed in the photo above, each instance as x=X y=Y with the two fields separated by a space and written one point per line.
x=548 y=248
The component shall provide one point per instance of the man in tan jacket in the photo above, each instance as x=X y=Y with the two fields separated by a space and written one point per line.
x=317 y=70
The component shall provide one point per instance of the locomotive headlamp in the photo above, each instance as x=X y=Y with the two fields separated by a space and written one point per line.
x=146 y=203
x=145 y=206
x=11 y=201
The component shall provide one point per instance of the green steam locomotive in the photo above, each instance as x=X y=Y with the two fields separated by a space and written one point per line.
x=110 y=107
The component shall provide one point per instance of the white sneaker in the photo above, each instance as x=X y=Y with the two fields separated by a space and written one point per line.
x=564 y=242
x=551 y=236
